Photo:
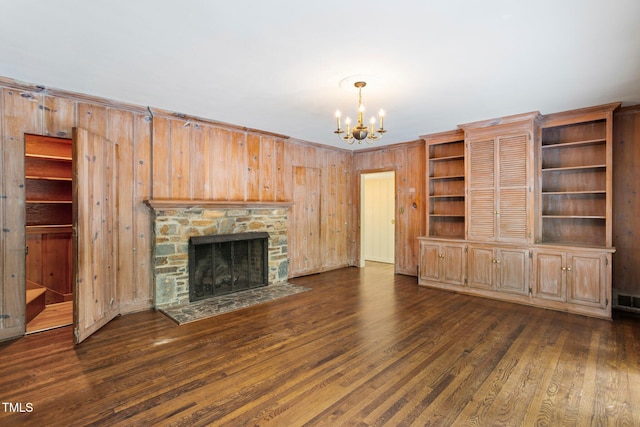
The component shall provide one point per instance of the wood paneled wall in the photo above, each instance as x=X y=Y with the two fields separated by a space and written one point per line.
x=626 y=200
x=407 y=160
x=164 y=156
x=31 y=109
x=194 y=159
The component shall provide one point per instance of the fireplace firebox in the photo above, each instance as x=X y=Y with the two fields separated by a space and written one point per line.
x=227 y=263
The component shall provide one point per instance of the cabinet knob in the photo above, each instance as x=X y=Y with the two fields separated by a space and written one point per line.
x=564 y=268
x=568 y=268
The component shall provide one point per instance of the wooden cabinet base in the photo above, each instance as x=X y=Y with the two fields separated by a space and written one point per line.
x=564 y=278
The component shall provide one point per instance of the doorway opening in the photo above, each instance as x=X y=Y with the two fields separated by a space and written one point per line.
x=377 y=217
x=48 y=231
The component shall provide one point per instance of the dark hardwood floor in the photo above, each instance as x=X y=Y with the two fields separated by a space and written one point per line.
x=363 y=347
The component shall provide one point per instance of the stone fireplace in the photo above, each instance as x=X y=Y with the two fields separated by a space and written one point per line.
x=177 y=222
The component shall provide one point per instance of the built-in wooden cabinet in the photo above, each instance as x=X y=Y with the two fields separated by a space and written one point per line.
x=573 y=277
x=446 y=185
x=500 y=179
x=495 y=268
x=537 y=209
x=442 y=261
x=575 y=177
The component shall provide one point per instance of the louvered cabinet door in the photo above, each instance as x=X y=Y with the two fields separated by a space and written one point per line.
x=481 y=205
x=513 y=189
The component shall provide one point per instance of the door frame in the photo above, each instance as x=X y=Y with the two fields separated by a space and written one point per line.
x=359 y=195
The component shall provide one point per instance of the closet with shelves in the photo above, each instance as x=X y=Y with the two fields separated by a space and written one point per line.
x=537 y=196
x=48 y=220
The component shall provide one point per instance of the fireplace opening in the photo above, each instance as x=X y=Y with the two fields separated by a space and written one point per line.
x=227 y=263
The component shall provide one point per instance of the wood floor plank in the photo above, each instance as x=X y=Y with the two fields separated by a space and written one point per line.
x=363 y=347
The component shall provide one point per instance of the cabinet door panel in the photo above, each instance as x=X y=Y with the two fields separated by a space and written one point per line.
x=513 y=161
x=429 y=261
x=549 y=276
x=480 y=267
x=481 y=203
x=481 y=216
x=513 y=214
x=453 y=264
x=513 y=191
x=514 y=270
x=586 y=279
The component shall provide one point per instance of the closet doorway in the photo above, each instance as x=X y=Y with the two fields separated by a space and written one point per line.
x=377 y=217
x=49 y=219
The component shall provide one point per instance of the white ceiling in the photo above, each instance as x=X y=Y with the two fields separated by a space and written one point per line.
x=276 y=65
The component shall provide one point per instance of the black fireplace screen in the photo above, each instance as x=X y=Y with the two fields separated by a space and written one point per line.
x=223 y=264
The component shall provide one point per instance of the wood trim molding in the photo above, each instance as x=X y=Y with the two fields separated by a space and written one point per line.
x=159 y=204
x=75 y=96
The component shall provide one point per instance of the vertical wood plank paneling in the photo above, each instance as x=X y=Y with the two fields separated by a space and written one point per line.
x=281 y=171
x=220 y=157
x=404 y=210
x=161 y=148
x=345 y=184
x=180 y=171
x=200 y=166
x=141 y=289
x=267 y=169
x=253 y=167
x=93 y=118
x=283 y=178
x=121 y=133
x=96 y=246
x=59 y=116
x=416 y=207
x=237 y=166
x=626 y=205
x=19 y=116
x=330 y=207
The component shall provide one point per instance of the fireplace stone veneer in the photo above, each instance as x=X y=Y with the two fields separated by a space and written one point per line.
x=173 y=227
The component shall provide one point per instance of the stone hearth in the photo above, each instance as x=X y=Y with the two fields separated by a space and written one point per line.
x=174 y=226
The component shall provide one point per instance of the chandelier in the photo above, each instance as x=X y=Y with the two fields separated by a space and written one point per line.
x=360 y=132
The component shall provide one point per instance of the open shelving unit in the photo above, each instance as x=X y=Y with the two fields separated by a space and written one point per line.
x=48 y=184
x=446 y=185
x=574 y=180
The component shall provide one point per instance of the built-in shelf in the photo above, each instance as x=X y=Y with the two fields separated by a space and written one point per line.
x=49 y=202
x=445 y=158
x=575 y=216
x=49 y=178
x=433 y=178
x=574 y=168
x=574 y=144
x=446 y=184
x=49 y=157
x=569 y=193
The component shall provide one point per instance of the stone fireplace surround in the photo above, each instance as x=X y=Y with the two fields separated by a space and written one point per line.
x=176 y=221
